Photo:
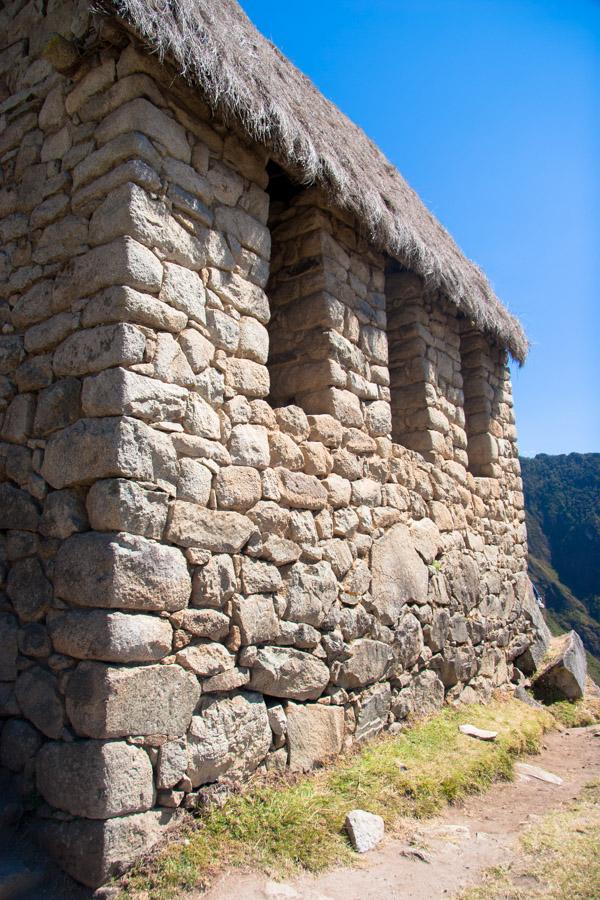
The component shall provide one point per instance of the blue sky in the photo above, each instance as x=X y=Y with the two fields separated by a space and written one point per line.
x=490 y=109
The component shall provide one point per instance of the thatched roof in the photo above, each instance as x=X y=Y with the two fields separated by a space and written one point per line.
x=244 y=77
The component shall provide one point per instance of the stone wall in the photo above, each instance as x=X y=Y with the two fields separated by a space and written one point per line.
x=214 y=559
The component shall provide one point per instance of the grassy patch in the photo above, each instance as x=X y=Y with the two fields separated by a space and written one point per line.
x=577 y=714
x=283 y=828
x=560 y=861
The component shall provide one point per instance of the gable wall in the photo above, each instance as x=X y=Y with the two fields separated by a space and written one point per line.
x=197 y=577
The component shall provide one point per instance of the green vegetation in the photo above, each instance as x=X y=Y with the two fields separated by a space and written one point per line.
x=562 y=500
x=578 y=714
x=560 y=861
x=295 y=825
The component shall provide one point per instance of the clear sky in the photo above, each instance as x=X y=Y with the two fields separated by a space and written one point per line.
x=491 y=111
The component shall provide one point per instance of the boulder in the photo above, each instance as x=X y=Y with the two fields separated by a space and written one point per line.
x=230 y=736
x=95 y=779
x=365 y=830
x=121 y=571
x=315 y=733
x=287 y=673
x=111 y=702
x=399 y=574
x=563 y=672
x=110 y=636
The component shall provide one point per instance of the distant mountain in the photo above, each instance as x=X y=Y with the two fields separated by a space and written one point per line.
x=562 y=502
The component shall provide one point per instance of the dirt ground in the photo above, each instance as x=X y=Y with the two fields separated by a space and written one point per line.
x=457 y=846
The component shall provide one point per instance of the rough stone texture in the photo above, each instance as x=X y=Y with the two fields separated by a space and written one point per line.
x=399 y=575
x=110 y=702
x=315 y=733
x=562 y=674
x=110 y=636
x=121 y=571
x=236 y=451
x=220 y=532
x=365 y=830
x=106 y=448
x=121 y=775
x=93 y=851
x=230 y=736
x=36 y=691
x=281 y=672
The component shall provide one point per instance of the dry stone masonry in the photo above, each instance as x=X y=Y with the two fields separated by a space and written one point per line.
x=259 y=486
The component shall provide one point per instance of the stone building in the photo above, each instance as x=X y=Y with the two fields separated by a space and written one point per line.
x=259 y=485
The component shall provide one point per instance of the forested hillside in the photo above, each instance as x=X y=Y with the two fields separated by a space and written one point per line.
x=562 y=500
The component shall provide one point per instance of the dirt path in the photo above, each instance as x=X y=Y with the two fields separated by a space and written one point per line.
x=459 y=845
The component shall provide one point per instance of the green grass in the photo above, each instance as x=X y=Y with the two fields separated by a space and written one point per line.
x=288 y=827
x=560 y=858
x=577 y=714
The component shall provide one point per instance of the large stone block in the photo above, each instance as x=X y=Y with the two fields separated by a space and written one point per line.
x=292 y=674
x=141 y=115
x=110 y=636
x=368 y=662
x=238 y=488
x=301 y=491
x=119 y=392
x=94 y=349
x=117 y=504
x=315 y=734
x=562 y=674
x=221 y=532
x=111 y=702
x=95 y=779
x=183 y=289
x=122 y=262
x=110 y=448
x=310 y=592
x=230 y=736
x=123 y=304
x=206 y=659
x=255 y=617
x=399 y=574
x=249 y=446
x=93 y=851
x=121 y=571
x=130 y=210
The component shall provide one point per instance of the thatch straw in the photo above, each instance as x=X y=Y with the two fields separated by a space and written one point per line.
x=244 y=77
